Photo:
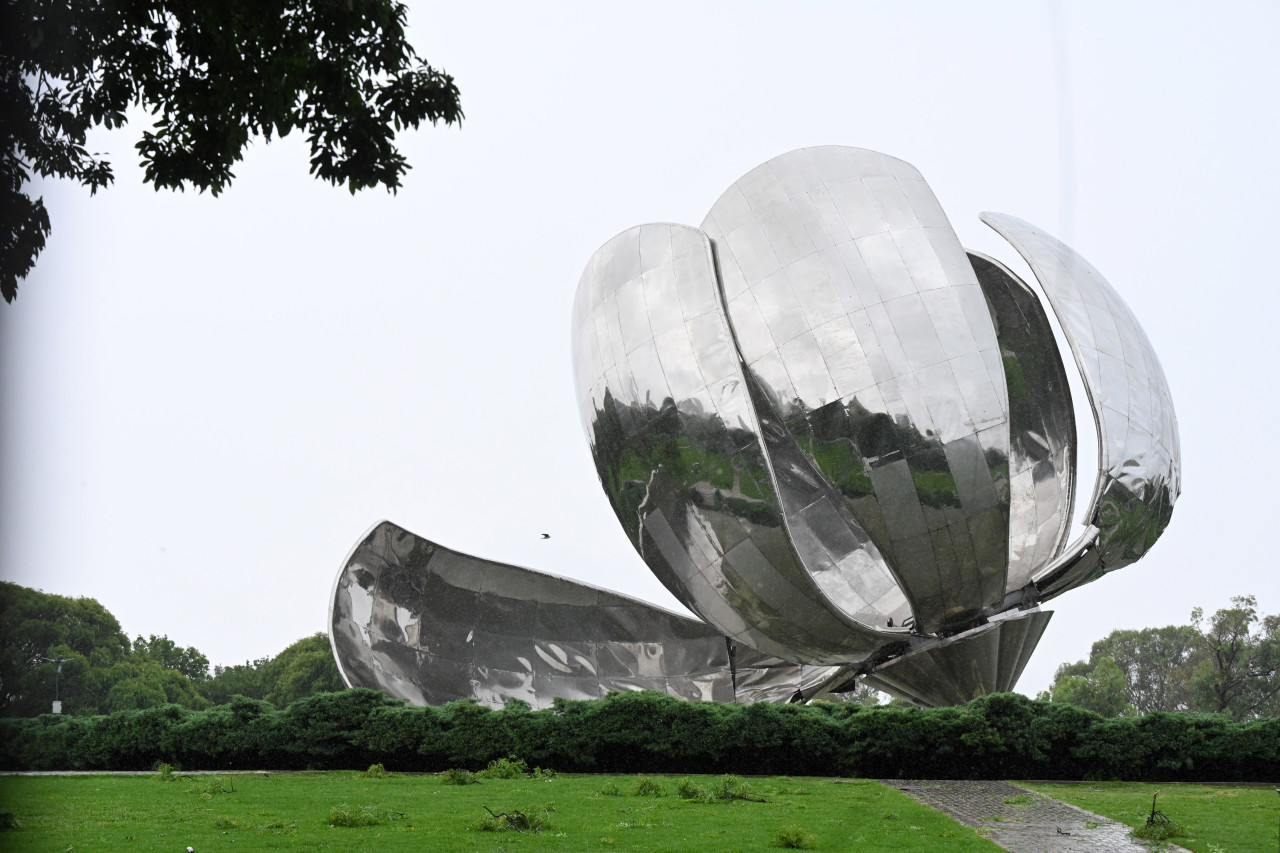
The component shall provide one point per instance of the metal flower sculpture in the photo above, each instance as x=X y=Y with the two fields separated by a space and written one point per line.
x=844 y=442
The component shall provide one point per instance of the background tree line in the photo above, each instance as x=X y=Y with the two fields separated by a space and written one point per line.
x=103 y=671
x=1229 y=664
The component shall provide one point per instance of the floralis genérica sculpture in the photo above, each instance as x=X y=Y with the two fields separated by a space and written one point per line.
x=842 y=440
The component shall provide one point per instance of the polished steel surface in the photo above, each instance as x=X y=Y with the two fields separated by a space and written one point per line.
x=1140 y=470
x=1042 y=427
x=986 y=659
x=431 y=625
x=705 y=481
x=844 y=442
x=858 y=315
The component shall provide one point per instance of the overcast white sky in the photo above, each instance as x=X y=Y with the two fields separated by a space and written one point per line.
x=207 y=402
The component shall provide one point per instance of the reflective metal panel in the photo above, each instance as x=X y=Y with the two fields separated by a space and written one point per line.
x=701 y=472
x=1042 y=429
x=762 y=678
x=431 y=625
x=1139 y=467
x=904 y=412
x=984 y=660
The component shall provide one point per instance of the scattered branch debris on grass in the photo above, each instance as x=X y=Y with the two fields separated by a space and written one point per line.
x=1159 y=831
x=211 y=788
x=519 y=821
x=345 y=815
x=725 y=789
x=510 y=767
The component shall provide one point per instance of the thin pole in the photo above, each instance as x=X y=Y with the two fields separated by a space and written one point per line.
x=57 y=678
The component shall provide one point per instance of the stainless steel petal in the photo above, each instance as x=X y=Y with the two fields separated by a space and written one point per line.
x=694 y=472
x=1139 y=467
x=1042 y=430
x=860 y=319
x=424 y=623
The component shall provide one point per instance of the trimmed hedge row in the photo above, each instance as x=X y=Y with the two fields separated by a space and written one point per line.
x=1005 y=736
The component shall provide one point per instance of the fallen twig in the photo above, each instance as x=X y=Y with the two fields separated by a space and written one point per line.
x=517 y=820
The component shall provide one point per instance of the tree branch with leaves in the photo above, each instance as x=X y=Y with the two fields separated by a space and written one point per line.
x=215 y=74
x=1240 y=672
x=1228 y=664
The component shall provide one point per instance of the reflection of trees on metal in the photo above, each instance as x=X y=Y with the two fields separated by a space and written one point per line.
x=431 y=625
x=840 y=439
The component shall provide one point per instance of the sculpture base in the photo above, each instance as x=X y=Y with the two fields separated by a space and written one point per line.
x=988 y=659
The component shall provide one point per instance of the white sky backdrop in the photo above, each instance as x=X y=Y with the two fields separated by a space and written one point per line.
x=206 y=402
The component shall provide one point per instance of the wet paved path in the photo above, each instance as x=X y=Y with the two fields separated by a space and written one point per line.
x=1032 y=823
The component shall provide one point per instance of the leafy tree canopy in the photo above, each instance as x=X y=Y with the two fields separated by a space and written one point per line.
x=1240 y=673
x=168 y=654
x=304 y=668
x=1102 y=691
x=242 y=679
x=141 y=683
x=36 y=626
x=215 y=74
x=1229 y=664
x=1156 y=665
x=101 y=671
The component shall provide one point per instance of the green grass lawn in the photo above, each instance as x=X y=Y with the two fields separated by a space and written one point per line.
x=292 y=812
x=1215 y=819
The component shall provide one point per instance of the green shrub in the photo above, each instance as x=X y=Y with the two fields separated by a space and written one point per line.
x=689 y=790
x=472 y=735
x=733 y=788
x=999 y=736
x=794 y=838
x=505 y=768
x=455 y=776
x=323 y=731
x=610 y=789
x=724 y=789
x=376 y=771
x=401 y=737
x=646 y=787
x=239 y=734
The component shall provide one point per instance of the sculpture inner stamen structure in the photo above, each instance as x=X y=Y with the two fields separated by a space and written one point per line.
x=841 y=440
